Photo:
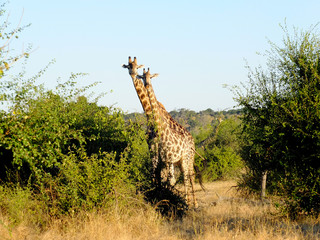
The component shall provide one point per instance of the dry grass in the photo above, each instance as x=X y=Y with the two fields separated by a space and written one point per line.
x=225 y=215
x=222 y=215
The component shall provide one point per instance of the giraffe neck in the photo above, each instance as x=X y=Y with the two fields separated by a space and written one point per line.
x=155 y=108
x=143 y=97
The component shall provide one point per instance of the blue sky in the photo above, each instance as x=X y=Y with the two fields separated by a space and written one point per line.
x=195 y=46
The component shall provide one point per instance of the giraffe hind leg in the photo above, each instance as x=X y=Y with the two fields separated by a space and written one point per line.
x=186 y=180
x=189 y=179
x=192 y=183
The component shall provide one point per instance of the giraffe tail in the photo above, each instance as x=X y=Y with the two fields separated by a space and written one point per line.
x=198 y=172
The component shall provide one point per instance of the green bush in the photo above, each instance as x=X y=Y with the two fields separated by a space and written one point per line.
x=88 y=182
x=70 y=152
x=220 y=147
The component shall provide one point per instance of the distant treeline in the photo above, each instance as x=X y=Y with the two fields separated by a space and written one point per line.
x=193 y=120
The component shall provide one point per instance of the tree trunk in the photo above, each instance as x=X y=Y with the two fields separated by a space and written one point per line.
x=263 y=184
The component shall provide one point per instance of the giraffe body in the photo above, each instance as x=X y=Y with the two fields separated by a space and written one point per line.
x=175 y=143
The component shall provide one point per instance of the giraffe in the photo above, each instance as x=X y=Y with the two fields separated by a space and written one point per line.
x=145 y=102
x=175 y=144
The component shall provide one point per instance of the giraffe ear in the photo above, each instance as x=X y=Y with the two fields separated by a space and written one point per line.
x=154 y=75
x=125 y=66
x=140 y=66
x=139 y=77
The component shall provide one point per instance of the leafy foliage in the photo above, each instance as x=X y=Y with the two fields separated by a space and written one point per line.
x=281 y=121
x=71 y=152
x=221 y=150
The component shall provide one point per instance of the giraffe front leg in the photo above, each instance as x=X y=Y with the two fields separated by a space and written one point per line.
x=156 y=171
x=167 y=174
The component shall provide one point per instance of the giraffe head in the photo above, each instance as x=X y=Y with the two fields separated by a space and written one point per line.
x=132 y=67
x=146 y=77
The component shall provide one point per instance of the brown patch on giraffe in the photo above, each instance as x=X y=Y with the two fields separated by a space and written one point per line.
x=148 y=109
x=139 y=90
x=144 y=104
x=175 y=126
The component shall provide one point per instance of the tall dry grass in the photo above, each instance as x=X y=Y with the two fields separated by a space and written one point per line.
x=222 y=214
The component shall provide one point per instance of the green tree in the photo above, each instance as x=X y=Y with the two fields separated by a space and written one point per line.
x=281 y=122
